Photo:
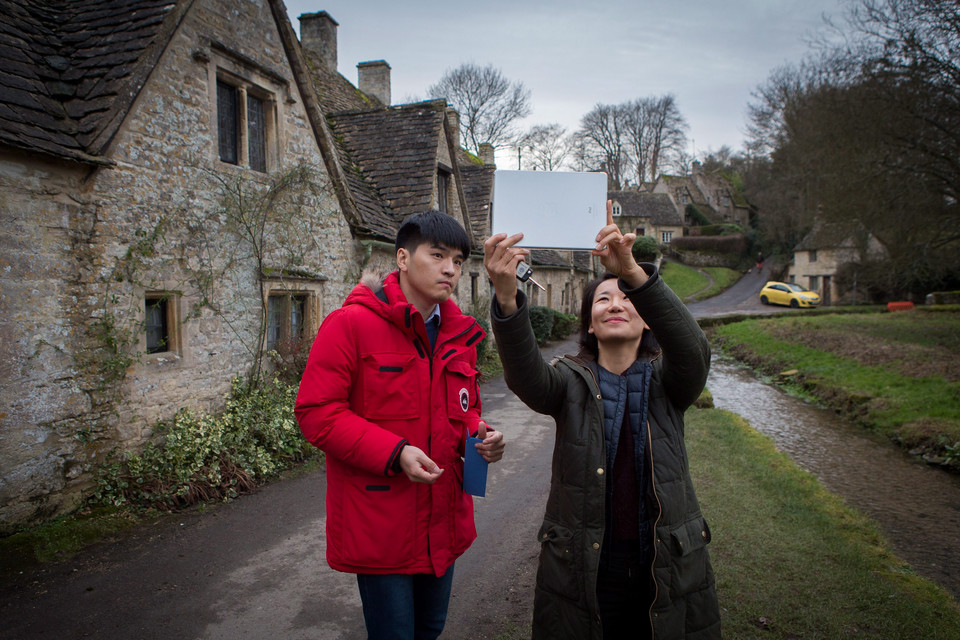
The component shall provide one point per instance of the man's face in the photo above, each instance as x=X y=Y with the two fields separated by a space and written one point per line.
x=430 y=273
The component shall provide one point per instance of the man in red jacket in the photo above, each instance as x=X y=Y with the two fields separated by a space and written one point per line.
x=390 y=393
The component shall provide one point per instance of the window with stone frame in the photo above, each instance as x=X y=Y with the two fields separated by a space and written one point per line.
x=812 y=255
x=245 y=123
x=617 y=210
x=161 y=324
x=666 y=237
x=287 y=313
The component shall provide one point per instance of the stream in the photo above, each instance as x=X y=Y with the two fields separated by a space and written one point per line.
x=916 y=506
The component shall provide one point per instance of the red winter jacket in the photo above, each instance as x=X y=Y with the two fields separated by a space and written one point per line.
x=370 y=385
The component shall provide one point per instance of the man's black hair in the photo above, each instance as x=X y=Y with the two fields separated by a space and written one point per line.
x=433 y=227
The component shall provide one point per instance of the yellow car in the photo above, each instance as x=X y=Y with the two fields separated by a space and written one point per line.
x=788 y=294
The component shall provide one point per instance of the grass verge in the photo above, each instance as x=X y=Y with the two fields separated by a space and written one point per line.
x=698 y=284
x=897 y=374
x=791 y=560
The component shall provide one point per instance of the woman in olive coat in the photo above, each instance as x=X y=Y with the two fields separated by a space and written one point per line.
x=623 y=541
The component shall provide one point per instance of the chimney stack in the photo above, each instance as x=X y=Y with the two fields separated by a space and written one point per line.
x=488 y=154
x=374 y=80
x=453 y=121
x=318 y=34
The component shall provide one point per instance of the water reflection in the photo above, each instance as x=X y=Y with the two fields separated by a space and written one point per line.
x=917 y=507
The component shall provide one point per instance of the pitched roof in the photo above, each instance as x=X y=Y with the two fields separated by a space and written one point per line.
x=477 y=181
x=833 y=235
x=658 y=207
x=389 y=154
x=686 y=183
x=71 y=70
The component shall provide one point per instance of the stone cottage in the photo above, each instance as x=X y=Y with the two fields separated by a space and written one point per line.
x=181 y=194
x=646 y=214
x=167 y=217
x=709 y=193
x=823 y=251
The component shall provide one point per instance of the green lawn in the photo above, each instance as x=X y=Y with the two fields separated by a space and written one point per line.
x=687 y=281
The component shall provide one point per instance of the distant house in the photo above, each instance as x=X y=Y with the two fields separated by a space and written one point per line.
x=646 y=214
x=818 y=257
x=710 y=194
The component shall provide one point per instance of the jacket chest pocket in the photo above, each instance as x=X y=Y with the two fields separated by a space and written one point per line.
x=390 y=386
x=461 y=389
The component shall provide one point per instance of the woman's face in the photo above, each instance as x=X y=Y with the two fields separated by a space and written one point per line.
x=613 y=317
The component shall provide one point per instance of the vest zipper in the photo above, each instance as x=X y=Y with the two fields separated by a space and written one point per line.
x=656 y=540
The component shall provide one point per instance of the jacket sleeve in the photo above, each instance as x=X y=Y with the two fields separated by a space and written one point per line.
x=537 y=384
x=686 y=350
x=323 y=403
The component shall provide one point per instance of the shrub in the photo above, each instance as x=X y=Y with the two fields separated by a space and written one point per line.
x=563 y=325
x=735 y=244
x=645 y=249
x=541 y=318
x=696 y=215
x=202 y=457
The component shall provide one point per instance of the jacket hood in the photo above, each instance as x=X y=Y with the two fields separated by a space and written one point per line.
x=380 y=292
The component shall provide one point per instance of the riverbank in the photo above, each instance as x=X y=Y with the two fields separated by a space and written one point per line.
x=895 y=374
x=791 y=560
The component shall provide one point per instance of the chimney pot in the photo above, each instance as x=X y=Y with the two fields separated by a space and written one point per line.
x=374 y=80
x=318 y=34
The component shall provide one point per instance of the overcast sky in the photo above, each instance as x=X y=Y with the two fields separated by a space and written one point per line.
x=572 y=54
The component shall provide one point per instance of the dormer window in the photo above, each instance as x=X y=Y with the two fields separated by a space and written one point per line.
x=616 y=209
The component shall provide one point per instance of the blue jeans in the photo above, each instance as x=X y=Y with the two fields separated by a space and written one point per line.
x=405 y=607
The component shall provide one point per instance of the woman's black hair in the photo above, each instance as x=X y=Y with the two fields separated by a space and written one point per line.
x=588 y=341
x=434 y=227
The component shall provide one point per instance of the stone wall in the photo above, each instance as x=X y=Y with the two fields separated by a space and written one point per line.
x=83 y=245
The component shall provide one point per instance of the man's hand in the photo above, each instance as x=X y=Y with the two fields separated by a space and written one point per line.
x=418 y=466
x=615 y=251
x=501 y=258
x=493 y=443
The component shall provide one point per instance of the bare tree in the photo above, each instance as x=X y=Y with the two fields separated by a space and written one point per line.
x=668 y=134
x=489 y=105
x=603 y=142
x=549 y=147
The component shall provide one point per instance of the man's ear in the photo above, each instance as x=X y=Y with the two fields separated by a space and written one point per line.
x=403 y=259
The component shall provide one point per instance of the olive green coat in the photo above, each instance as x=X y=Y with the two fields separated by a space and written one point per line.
x=565 y=605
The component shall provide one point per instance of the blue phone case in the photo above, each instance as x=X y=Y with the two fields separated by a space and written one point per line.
x=474 y=469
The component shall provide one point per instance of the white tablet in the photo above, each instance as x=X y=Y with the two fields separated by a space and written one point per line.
x=553 y=209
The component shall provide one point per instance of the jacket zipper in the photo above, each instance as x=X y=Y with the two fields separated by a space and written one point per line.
x=653 y=486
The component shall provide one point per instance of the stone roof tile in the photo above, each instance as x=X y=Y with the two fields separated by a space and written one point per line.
x=67 y=67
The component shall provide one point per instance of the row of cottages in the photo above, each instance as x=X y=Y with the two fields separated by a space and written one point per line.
x=823 y=253
x=185 y=190
x=710 y=194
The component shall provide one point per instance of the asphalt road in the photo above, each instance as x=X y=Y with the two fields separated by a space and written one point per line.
x=742 y=297
x=254 y=568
